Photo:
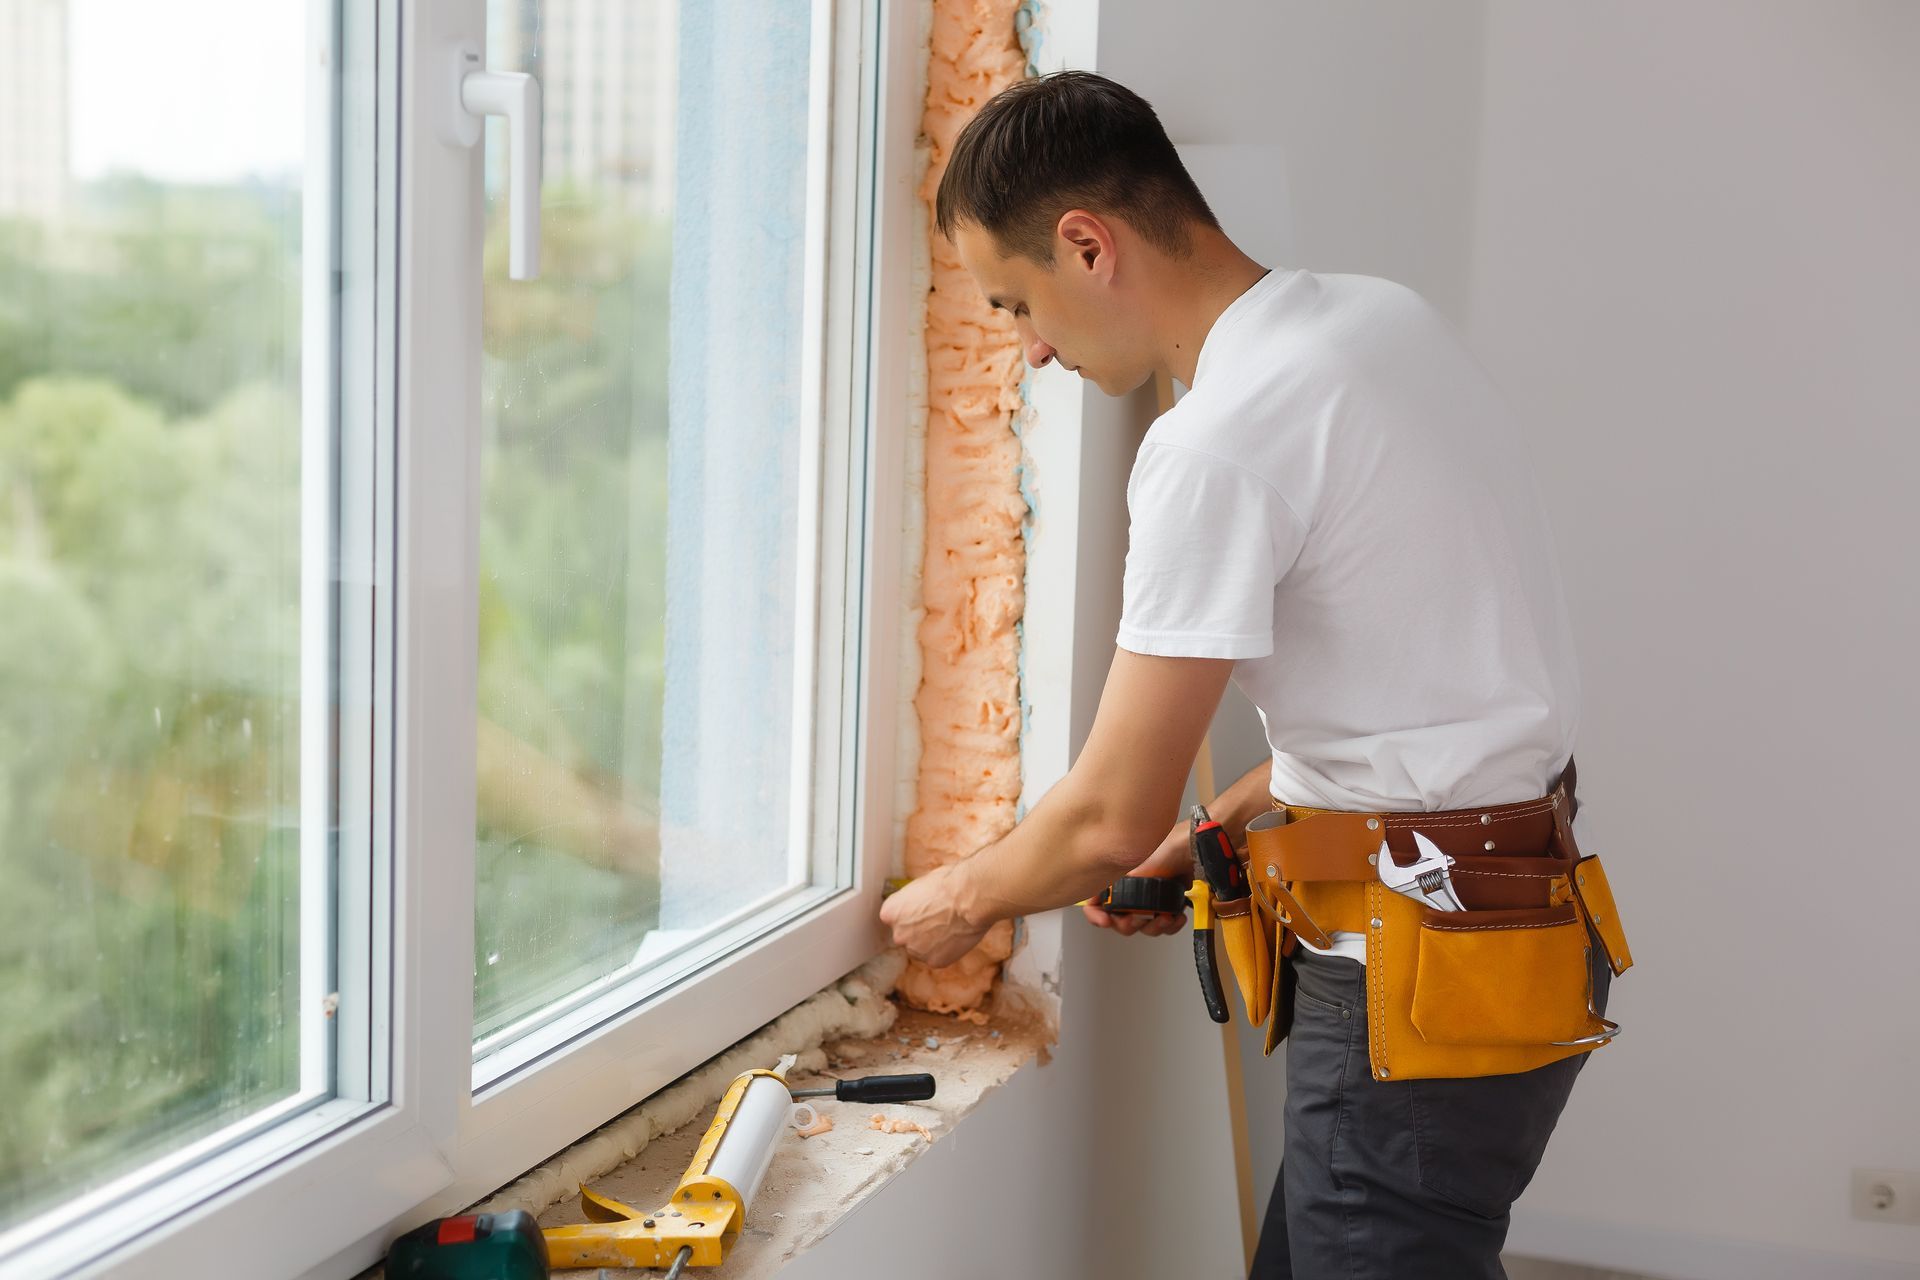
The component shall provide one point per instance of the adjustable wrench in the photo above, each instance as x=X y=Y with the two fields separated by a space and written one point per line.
x=1425 y=879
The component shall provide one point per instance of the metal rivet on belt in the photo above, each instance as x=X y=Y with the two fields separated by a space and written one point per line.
x=1376 y=922
x=1486 y=819
x=1489 y=844
x=1373 y=824
x=1373 y=859
x=1384 y=1073
x=1273 y=872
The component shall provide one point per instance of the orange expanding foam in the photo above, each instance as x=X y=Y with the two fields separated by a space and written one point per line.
x=969 y=698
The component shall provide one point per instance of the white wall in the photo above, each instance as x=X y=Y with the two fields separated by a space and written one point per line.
x=1697 y=252
x=1683 y=237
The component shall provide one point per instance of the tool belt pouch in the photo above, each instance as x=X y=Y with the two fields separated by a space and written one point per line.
x=1501 y=977
x=1280 y=1003
x=1247 y=936
x=1480 y=992
x=1596 y=901
x=1501 y=987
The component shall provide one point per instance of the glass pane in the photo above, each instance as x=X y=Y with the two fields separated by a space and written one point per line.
x=150 y=580
x=642 y=471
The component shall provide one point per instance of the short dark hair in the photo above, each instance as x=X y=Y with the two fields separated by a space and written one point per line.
x=1067 y=140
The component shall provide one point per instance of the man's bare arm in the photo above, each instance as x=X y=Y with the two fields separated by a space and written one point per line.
x=1114 y=804
x=1233 y=809
x=1244 y=801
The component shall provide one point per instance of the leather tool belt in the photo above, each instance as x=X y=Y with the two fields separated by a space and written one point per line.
x=1504 y=985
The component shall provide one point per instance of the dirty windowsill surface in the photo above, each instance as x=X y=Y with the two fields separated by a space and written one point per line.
x=814 y=1182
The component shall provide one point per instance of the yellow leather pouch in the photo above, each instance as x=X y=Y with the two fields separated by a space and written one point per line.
x=1487 y=1014
x=1501 y=987
x=1246 y=935
x=1502 y=977
x=1280 y=1003
x=1596 y=896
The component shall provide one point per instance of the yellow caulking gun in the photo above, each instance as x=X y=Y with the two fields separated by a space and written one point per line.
x=701 y=1221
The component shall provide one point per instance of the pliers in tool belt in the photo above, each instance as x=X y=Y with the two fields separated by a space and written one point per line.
x=1222 y=878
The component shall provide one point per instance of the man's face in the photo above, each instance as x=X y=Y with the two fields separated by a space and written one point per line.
x=1070 y=314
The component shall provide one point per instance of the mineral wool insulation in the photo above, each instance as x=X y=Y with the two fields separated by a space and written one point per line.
x=973 y=570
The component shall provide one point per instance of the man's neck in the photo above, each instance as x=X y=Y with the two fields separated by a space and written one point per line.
x=1202 y=285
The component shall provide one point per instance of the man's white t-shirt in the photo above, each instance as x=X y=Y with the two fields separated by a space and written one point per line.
x=1342 y=503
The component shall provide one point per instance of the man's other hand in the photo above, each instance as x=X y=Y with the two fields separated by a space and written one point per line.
x=1174 y=857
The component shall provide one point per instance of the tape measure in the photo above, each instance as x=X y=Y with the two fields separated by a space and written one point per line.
x=1129 y=895
x=1145 y=895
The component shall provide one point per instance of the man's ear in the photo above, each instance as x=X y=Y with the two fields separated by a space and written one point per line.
x=1086 y=241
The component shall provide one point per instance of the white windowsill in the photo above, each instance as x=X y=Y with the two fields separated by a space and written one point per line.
x=814 y=1183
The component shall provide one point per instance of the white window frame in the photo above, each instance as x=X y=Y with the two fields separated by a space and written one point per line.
x=160 y=1215
x=606 y=1054
x=412 y=1130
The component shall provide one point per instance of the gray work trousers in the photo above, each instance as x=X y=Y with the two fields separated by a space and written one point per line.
x=1396 y=1180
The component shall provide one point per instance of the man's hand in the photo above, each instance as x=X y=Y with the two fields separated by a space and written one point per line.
x=1174 y=857
x=1124 y=785
x=927 y=918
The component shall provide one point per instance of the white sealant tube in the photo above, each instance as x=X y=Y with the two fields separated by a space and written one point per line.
x=746 y=1148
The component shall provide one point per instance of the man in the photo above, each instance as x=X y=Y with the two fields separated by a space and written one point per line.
x=1338 y=517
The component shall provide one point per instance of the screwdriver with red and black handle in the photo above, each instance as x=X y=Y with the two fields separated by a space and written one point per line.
x=1222 y=879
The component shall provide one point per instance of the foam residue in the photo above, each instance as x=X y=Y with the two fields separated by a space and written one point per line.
x=857 y=1005
x=973 y=570
x=812 y=1185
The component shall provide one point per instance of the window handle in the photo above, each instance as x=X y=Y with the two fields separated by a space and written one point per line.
x=515 y=97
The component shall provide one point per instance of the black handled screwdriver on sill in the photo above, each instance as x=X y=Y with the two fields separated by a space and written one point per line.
x=917 y=1087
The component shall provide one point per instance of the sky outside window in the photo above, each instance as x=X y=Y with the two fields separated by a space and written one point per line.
x=188 y=91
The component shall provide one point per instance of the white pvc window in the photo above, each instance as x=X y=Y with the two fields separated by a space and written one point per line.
x=436 y=709
x=650 y=493
x=184 y=608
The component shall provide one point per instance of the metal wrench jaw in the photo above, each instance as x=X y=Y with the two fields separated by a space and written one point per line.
x=1425 y=880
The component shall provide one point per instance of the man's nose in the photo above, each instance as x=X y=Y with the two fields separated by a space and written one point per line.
x=1039 y=353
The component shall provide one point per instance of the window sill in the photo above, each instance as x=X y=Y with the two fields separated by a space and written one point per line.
x=813 y=1183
